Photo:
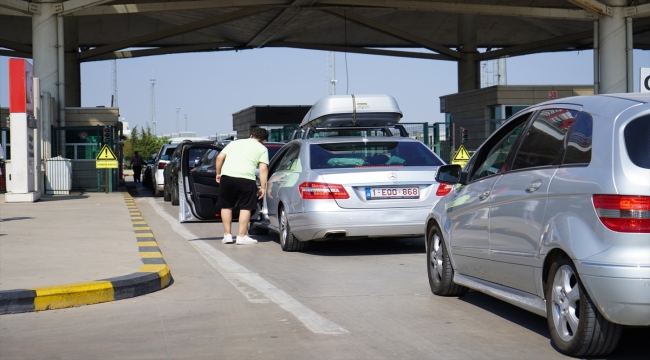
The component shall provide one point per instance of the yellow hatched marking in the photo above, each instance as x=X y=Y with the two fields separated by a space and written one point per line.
x=149 y=255
x=147 y=243
x=137 y=218
x=149 y=234
x=141 y=228
x=63 y=296
x=161 y=269
x=138 y=222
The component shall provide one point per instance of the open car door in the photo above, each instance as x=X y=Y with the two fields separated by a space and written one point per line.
x=197 y=182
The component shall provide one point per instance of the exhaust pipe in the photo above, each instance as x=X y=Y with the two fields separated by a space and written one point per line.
x=335 y=234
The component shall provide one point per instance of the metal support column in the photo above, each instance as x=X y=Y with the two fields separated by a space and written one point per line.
x=468 y=66
x=612 y=45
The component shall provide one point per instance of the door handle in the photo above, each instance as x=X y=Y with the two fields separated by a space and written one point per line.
x=484 y=195
x=532 y=187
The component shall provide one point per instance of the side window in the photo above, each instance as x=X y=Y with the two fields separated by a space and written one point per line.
x=578 y=148
x=277 y=159
x=543 y=144
x=290 y=160
x=492 y=159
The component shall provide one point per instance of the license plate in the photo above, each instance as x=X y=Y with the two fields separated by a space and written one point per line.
x=393 y=193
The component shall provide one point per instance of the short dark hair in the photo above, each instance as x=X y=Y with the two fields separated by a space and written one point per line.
x=260 y=133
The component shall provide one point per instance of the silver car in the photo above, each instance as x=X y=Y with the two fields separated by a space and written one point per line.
x=347 y=183
x=552 y=214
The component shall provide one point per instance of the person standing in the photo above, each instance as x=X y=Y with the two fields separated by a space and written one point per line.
x=136 y=163
x=235 y=166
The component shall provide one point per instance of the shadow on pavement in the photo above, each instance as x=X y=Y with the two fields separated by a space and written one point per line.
x=80 y=195
x=365 y=247
x=17 y=218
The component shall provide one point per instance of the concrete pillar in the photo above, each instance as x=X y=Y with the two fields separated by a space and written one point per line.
x=612 y=45
x=44 y=49
x=468 y=67
x=72 y=64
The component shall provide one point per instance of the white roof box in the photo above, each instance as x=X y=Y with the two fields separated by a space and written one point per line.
x=353 y=110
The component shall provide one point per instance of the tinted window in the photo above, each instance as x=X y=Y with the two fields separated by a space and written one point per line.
x=195 y=156
x=637 y=141
x=578 y=149
x=290 y=161
x=371 y=154
x=543 y=144
x=273 y=149
x=493 y=160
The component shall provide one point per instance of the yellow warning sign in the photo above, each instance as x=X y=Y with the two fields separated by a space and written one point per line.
x=462 y=156
x=106 y=158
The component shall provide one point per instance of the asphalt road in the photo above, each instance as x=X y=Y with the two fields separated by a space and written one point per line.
x=340 y=300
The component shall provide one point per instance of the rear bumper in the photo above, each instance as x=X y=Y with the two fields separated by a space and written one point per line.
x=359 y=223
x=623 y=300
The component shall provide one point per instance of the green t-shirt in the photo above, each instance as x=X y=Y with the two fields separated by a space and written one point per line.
x=242 y=158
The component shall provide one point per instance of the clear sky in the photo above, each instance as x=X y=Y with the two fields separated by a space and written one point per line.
x=210 y=87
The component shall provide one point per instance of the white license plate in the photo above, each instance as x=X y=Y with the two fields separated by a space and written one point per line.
x=393 y=193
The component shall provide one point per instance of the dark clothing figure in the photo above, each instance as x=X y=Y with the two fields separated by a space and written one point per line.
x=136 y=163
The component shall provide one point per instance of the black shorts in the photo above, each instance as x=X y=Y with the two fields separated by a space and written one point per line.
x=237 y=192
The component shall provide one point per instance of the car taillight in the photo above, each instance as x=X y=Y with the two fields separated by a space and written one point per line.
x=444 y=189
x=317 y=190
x=161 y=165
x=624 y=213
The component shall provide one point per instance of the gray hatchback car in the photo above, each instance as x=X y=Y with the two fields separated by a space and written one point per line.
x=552 y=214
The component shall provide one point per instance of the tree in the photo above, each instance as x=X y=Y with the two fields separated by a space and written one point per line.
x=144 y=142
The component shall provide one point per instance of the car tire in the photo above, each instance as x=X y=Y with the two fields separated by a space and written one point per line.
x=441 y=273
x=175 y=195
x=255 y=229
x=166 y=195
x=577 y=327
x=288 y=242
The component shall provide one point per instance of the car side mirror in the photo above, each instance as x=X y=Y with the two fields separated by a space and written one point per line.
x=450 y=174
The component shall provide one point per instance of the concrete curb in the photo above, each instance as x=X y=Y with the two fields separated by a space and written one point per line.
x=153 y=276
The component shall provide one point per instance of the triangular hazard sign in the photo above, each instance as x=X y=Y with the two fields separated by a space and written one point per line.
x=461 y=154
x=106 y=154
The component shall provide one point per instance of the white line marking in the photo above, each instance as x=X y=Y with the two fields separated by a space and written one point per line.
x=238 y=275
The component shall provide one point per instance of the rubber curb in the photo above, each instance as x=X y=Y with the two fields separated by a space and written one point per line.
x=154 y=275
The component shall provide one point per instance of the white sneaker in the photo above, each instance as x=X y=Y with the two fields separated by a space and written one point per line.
x=227 y=239
x=245 y=240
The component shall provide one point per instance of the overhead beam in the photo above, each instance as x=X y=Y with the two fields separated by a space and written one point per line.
x=128 y=54
x=7 y=44
x=638 y=11
x=21 y=6
x=593 y=6
x=9 y=12
x=389 y=30
x=15 y=54
x=178 y=30
x=552 y=44
x=174 y=6
x=71 y=6
x=359 y=50
x=278 y=23
x=496 y=10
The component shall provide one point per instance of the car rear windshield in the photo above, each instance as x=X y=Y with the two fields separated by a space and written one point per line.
x=371 y=154
x=637 y=141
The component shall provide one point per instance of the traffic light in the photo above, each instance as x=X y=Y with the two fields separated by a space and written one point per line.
x=463 y=133
x=107 y=135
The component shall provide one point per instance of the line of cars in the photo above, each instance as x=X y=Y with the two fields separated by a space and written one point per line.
x=551 y=213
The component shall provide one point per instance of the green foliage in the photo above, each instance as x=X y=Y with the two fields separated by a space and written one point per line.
x=144 y=142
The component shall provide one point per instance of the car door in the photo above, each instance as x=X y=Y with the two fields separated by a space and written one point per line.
x=468 y=209
x=198 y=185
x=285 y=172
x=519 y=197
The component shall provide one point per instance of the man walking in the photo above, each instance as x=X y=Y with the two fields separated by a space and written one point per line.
x=235 y=167
x=136 y=163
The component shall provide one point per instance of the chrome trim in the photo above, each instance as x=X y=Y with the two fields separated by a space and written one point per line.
x=513 y=253
x=518 y=298
x=589 y=263
x=627 y=214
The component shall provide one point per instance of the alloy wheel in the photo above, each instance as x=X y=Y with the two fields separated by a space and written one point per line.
x=283 y=228
x=436 y=259
x=565 y=303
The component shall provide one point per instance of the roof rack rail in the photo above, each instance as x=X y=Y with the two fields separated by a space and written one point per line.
x=385 y=129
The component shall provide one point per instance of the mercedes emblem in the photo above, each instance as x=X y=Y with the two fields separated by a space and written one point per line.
x=392 y=176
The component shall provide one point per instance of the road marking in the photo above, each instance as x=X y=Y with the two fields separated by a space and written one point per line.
x=238 y=274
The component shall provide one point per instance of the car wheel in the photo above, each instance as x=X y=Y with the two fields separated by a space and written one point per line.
x=441 y=274
x=577 y=327
x=288 y=242
x=166 y=195
x=254 y=229
x=175 y=195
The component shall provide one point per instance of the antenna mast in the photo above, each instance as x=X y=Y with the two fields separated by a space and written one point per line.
x=153 y=102
x=114 y=83
x=178 y=126
x=332 y=73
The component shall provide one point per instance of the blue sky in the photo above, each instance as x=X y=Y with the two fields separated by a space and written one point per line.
x=210 y=87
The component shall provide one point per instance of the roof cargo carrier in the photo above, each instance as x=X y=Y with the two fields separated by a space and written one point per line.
x=353 y=113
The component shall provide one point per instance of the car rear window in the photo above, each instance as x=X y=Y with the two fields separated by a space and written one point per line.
x=371 y=154
x=637 y=141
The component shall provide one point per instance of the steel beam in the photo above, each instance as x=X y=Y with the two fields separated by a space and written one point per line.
x=278 y=23
x=174 y=6
x=360 y=50
x=71 y=6
x=21 y=6
x=553 y=44
x=593 y=6
x=15 y=46
x=178 y=30
x=16 y=54
x=638 y=11
x=496 y=10
x=400 y=34
x=127 y=54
